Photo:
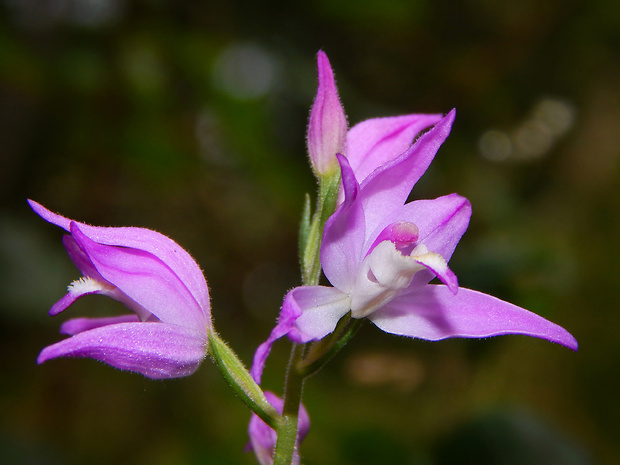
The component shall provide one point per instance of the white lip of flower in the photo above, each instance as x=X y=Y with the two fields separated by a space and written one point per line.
x=385 y=272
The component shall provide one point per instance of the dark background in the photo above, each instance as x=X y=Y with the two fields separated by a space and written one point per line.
x=189 y=118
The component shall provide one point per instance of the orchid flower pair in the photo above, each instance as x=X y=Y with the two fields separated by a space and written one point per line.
x=378 y=252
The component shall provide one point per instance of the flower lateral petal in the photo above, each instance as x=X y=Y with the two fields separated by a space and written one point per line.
x=308 y=313
x=387 y=187
x=434 y=313
x=374 y=142
x=320 y=310
x=155 y=350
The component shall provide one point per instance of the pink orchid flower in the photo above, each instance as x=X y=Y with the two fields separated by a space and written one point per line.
x=379 y=253
x=166 y=335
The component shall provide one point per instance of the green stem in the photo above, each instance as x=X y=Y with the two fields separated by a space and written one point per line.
x=311 y=234
x=311 y=239
x=287 y=433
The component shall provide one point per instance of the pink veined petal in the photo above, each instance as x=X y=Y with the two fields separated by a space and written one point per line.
x=145 y=280
x=434 y=313
x=327 y=127
x=387 y=187
x=377 y=141
x=156 y=350
x=324 y=305
x=79 y=325
x=343 y=236
x=162 y=247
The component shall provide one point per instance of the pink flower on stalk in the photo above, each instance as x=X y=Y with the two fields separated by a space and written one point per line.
x=380 y=253
x=166 y=336
x=263 y=438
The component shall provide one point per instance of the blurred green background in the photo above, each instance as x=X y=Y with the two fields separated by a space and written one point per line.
x=189 y=118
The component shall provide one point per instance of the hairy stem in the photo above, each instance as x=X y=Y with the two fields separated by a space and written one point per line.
x=287 y=431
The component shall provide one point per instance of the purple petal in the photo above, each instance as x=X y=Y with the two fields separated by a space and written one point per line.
x=321 y=308
x=434 y=313
x=388 y=187
x=343 y=236
x=377 y=141
x=79 y=325
x=162 y=247
x=286 y=321
x=80 y=259
x=327 y=127
x=145 y=280
x=324 y=306
x=156 y=350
